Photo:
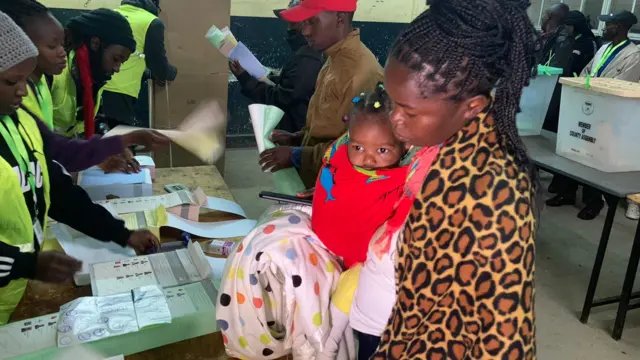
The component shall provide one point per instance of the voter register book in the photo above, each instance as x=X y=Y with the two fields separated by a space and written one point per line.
x=180 y=267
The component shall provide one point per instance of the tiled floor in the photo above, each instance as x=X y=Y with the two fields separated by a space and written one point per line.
x=566 y=247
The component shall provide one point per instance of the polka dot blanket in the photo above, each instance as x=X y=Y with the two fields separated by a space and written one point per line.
x=276 y=289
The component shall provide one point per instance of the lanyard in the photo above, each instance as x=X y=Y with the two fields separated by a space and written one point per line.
x=578 y=36
x=45 y=102
x=606 y=57
x=13 y=139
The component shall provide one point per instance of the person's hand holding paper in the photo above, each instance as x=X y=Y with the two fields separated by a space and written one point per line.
x=264 y=119
x=202 y=133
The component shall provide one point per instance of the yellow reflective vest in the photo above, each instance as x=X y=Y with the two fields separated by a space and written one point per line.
x=128 y=80
x=65 y=103
x=17 y=224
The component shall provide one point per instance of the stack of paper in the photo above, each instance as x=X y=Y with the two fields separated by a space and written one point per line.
x=227 y=44
x=264 y=119
x=179 y=267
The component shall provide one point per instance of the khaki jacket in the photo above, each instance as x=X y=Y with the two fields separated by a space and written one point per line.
x=350 y=69
x=625 y=66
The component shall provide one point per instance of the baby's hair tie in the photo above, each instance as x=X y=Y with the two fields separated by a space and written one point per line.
x=381 y=86
x=356 y=100
x=345 y=118
x=377 y=105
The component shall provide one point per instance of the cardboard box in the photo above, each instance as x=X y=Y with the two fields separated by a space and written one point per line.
x=186 y=23
x=184 y=96
x=100 y=186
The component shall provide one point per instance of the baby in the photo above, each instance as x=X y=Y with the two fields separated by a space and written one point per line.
x=360 y=181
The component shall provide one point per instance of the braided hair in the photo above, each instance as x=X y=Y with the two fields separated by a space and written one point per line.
x=20 y=10
x=375 y=102
x=474 y=47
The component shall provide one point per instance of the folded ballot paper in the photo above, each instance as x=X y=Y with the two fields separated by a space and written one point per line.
x=233 y=50
x=202 y=132
x=264 y=119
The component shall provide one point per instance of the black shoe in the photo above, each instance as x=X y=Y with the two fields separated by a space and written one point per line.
x=560 y=200
x=591 y=211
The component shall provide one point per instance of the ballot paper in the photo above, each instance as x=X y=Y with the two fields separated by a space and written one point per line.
x=202 y=132
x=179 y=267
x=88 y=319
x=23 y=337
x=184 y=203
x=222 y=39
x=146 y=162
x=248 y=61
x=146 y=219
x=212 y=230
x=151 y=306
x=264 y=119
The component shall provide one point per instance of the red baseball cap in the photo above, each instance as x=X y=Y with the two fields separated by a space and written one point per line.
x=310 y=8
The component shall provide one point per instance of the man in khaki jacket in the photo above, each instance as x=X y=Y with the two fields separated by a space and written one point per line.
x=350 y=69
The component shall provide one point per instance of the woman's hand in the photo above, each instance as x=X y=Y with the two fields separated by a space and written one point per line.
x=150 y=139
x=56 y=267
x=307 y=194
x=144 y=242
x=124 y=162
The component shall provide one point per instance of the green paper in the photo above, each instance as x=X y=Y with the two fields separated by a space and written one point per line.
x=265 y=118
x=215 y=36
x=548 y=70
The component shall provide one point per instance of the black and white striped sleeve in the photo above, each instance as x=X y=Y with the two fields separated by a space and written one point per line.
x=15 y=265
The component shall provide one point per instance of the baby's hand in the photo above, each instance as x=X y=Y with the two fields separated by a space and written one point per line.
x=307 y=194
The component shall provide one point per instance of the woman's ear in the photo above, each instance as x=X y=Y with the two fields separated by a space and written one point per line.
x=95 y=44
x=475 y=106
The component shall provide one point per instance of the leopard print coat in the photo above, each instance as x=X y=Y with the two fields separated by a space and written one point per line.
x=465 y=268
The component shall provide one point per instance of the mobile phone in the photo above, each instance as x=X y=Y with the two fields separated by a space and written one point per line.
x=284 y=198
x=175 y=187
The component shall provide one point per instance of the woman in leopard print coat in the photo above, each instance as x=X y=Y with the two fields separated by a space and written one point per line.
x=465 y=268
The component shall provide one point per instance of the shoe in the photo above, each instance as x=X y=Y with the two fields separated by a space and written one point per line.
x=591 y=211
x=633 y=210
x=560 y=200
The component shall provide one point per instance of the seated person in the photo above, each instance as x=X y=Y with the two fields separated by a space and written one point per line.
x=360 y=180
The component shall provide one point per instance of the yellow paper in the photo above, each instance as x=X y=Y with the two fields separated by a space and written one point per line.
x=151 y=220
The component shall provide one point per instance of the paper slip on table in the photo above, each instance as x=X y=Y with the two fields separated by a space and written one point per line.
x=42 y=299
x=614 y=186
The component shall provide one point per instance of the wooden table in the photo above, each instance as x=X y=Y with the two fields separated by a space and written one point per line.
x=42 y=299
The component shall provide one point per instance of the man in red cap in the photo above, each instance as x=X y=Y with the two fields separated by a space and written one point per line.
x=350 y=69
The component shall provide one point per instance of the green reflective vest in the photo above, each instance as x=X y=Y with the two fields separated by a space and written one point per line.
x=129 y=79
x=17 y=224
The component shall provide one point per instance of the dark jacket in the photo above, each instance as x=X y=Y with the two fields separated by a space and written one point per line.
x=558 y=50
x=293 y=88
x=583 y=50
x=68 y=204
x=154 y=50
x=77 y=155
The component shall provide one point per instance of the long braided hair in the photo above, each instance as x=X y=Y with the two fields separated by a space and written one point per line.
x=474 y=47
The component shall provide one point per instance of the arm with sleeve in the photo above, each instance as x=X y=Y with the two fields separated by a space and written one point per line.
x=156 y=54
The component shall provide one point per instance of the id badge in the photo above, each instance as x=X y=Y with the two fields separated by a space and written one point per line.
x=37 y=230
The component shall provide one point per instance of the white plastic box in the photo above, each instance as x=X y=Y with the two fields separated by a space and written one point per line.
x=599 y=126
x=101 y=186
x=535 y=100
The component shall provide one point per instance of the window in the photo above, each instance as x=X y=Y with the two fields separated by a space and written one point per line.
x=591 y=8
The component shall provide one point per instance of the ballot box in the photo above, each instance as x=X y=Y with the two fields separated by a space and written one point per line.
x=101 y=186
x=535 y=101
x=599 y=123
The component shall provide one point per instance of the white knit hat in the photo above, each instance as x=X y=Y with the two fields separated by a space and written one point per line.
x=15 y=45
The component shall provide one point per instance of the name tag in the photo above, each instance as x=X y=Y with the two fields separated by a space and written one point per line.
x=37 y=230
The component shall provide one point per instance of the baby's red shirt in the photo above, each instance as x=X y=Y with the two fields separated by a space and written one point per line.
x=350 y=204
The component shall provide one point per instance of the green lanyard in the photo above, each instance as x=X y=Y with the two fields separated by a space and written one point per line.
x=607 y=54
x=578 y=36
x=46 y=105
x=13 y=139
